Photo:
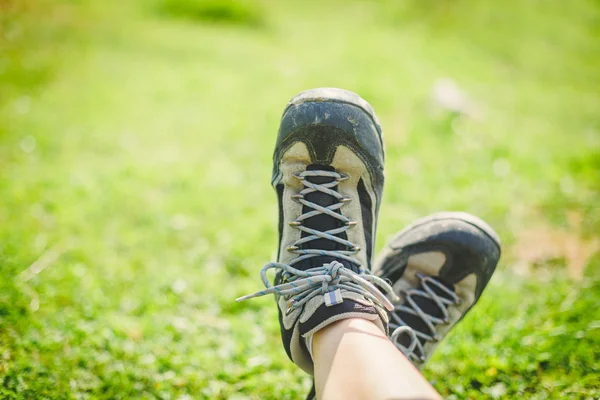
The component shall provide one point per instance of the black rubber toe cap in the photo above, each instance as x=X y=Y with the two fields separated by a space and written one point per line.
x=469 y=244
x=326 y=118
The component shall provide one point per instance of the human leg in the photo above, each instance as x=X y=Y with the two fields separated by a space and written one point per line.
x=356 y=360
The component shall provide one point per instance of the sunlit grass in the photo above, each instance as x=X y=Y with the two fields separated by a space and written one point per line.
x=138 y=146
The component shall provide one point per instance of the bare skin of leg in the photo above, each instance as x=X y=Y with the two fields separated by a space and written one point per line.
x=355 y=360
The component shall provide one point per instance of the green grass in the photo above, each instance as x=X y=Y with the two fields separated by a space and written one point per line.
x=216 y=11
x=135 y=145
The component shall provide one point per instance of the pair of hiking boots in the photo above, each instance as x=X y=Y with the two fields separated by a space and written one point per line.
x=328 y=172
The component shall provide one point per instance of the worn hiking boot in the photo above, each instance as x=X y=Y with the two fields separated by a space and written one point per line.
x=328 y=175
x=438 y=266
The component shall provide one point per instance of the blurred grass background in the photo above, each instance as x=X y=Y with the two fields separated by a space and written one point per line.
x=135 y=147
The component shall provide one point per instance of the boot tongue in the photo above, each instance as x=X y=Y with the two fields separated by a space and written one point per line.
x=322 y=222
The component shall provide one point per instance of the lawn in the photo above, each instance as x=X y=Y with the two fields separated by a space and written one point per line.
x=135 y=206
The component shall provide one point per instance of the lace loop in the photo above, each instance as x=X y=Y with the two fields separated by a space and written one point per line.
x=304 y=285
x=413 y=339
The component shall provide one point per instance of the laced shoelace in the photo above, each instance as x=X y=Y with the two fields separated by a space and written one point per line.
x=410 y=306
x=303 y=285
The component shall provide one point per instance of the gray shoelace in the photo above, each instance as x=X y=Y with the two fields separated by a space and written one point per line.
x=303 y=285
x=410 y=306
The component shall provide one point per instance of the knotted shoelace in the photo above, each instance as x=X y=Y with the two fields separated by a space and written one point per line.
x=303 y=285
x=410 y=306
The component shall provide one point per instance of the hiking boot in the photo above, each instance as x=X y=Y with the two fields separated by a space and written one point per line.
x=438 y=266
x=328 y=175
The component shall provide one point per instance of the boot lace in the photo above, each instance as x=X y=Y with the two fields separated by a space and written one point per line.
x=299 y=286
x=415 y=350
